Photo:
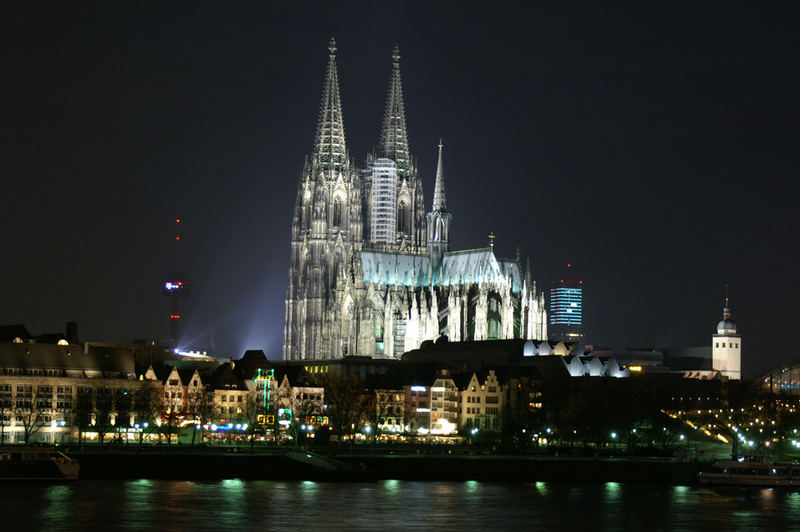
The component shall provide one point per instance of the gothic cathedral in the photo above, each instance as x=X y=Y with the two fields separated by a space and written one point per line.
x=371 y=274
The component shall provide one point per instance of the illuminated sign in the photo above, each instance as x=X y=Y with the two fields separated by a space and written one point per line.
x=265 y=420
x=419 y=389
x=423 y=409
x=635 y=368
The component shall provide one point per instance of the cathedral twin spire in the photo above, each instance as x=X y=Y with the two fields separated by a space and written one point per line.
x=330 y=150
x=394 y=139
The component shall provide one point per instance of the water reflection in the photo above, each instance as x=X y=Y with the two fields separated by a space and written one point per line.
x=56 y=507
x=392 y=486
x=680 y=495
x=612 y=491
x=393 y=504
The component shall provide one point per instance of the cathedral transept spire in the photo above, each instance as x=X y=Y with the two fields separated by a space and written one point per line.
x=438 y=227
x=394 y=140
x=330 y=150
x=439 y=203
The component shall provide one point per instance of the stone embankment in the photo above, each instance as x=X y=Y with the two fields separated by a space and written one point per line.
x=181 y=464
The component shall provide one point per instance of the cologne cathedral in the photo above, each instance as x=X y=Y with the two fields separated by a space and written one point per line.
x=371 y=273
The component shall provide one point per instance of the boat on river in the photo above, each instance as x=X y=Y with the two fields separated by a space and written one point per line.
x=36 y=463
x=751 y=471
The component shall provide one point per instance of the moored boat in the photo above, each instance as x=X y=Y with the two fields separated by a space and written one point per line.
x=36 y=463
x=751 y=472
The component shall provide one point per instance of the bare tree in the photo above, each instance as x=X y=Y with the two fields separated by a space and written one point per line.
x=103 y=414
x=303 y=406
x=147 y=401
x=344 y=395
x=31 y=404
x=6 y=409
x=123 y=407
x=199 y=408
x=384 y=407
x=83 y=409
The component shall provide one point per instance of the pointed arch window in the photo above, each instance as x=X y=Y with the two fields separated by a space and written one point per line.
x=337 y=212
x=403 y=217
x=493 y=317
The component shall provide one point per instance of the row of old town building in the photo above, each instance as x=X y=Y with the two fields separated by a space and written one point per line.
x=55 y=389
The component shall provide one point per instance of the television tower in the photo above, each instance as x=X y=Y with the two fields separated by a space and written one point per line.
x=175 y=286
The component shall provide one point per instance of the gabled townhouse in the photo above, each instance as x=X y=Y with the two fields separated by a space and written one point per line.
x=183 y=393
x=303 y=399
x=481 y=401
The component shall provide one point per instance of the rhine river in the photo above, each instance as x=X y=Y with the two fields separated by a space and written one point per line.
x=391 y=505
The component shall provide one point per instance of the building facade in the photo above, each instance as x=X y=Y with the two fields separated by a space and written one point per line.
x=726 y=347
x=566 y=309
x=370 y=273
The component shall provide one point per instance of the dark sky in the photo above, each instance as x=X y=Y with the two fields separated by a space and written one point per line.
x=654 y=146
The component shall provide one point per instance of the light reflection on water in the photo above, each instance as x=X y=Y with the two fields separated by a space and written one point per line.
x=393 y=504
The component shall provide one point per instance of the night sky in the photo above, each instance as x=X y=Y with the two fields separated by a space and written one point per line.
x=653 y=146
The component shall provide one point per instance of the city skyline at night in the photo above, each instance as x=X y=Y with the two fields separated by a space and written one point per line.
x=656 y=145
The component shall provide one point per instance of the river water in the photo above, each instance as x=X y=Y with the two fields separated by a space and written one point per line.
x=391 y=505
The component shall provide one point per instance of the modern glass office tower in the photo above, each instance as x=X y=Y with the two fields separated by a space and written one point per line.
x=566 y=309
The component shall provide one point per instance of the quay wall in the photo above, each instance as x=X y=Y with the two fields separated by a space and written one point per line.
x=279 y=466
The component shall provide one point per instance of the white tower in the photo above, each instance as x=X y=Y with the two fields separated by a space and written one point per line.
x=726 y=347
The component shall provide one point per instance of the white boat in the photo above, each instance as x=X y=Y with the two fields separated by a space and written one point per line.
x=751 y=472
x=36 y=463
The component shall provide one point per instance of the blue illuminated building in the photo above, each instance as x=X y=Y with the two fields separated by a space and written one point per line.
x=566 y=309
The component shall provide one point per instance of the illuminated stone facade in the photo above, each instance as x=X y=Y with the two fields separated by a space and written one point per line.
x=354 y=293
x=726 y=347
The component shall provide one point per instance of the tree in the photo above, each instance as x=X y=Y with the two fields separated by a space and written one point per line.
x=199 y=408
x=6 y=409
x=147 y=401
x=344 y=395
x=303 y=406
x=384 y=407
x=123 y=406
x=103 y=416
x=83 y=410
x=30 y=406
